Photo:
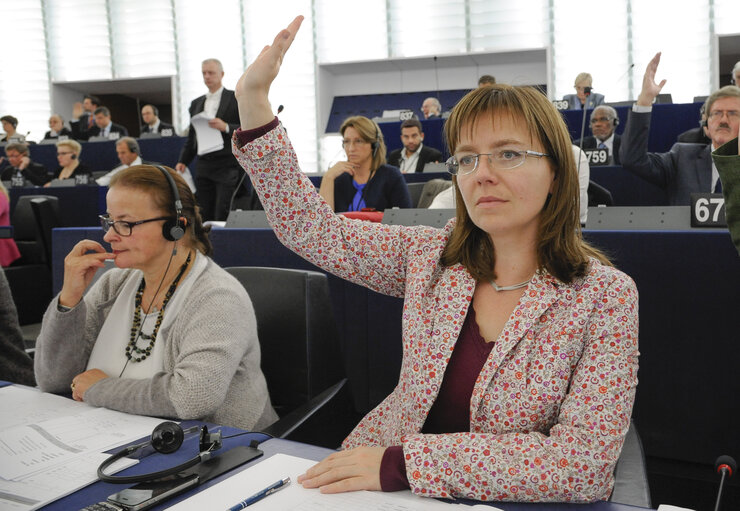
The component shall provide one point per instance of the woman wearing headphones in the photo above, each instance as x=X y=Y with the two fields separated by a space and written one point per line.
x=169 y=333
x=68 y=156
x=364 y=181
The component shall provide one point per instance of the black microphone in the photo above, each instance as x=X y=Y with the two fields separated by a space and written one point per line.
x=726 y=466
x=280 y=109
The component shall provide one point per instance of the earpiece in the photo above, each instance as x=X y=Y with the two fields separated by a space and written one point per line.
x=615 y=122
x=173 y=229
x=375 y=145
x=73 y=156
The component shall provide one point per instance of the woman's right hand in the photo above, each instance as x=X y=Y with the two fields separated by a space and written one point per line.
x=80 y=266
x=253 y=87
x=339 y=168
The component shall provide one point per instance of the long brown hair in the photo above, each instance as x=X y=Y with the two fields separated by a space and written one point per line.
x=150 y=179
x=370 y=133
x=561 y=249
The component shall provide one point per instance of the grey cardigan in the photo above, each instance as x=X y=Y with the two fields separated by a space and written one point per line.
x=211 y=358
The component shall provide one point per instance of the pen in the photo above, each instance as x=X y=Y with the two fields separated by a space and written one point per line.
x=261 y=494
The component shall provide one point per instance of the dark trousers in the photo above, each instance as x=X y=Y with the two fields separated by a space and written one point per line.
x=215 y=186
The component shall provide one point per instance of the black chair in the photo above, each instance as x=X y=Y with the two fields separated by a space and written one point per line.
x=415 y=190
x=47 y=218
x=598 y=195
x=301 y=353
x=630 y=475
x=27 y=233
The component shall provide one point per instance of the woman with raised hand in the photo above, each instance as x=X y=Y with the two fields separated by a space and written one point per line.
x=519 y=340
x=168 y=333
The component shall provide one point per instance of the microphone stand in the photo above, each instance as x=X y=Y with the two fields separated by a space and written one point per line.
x=726 y=466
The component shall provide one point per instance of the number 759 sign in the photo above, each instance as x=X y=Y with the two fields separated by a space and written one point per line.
x=708 y=210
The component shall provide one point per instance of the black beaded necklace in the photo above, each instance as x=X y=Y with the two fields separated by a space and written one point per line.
x=133 y=352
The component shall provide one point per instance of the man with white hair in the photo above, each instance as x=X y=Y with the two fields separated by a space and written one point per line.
x=431 y=108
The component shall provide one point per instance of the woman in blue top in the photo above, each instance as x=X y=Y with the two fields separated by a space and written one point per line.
x=364 y=181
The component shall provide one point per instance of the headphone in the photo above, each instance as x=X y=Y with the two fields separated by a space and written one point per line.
x=166 y=438
x=375 y=145
x=73 y=156
x=171 y=229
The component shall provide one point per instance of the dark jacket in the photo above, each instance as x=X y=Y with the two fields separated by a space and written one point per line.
x=35 y=173
x=386 y=189
x=426 y=155
x=591 y=143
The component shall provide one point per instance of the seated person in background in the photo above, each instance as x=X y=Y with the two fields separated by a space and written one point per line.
x=580 y=98
x=68 y=156
x=604 y=122
x=20 y=163
x=414 y=154
x=83 y=120
x=56 y=123
x=486 y=80
x=152 y=124
x=687 y=168
x=10 y=123
x=727 y=160
x=169 y=333
x=15 y=364
x=736 y=74
x=697 y=135
x=364 y=181
x=129 y=154
x=104 y=127
x=519 y=339
x=9 y=252
x=431 y=108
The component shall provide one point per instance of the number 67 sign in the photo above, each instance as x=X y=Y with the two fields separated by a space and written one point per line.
x=708 y=210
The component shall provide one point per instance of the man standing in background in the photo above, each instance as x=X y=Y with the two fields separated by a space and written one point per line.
x=217 y=171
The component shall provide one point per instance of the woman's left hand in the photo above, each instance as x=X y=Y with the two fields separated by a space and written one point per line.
x=350 y=470
x=84 y=381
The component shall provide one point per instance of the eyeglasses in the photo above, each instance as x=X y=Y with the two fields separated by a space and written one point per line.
x=64 y=153
x=122 y=227
x=506 y=159
x=718 y=114
x=594 y=120
x=359 y=141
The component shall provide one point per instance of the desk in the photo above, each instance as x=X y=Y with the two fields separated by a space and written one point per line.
x=98 y=491
x=79 y=206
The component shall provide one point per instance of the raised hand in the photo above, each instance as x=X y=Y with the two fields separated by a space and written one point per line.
x=80 y=266
x=650 y=89
x=253 y=87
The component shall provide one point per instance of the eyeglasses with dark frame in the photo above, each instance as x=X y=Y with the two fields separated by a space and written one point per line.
x=124 y=228
x=505 y=159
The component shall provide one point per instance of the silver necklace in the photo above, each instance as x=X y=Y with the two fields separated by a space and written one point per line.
x=510 y=288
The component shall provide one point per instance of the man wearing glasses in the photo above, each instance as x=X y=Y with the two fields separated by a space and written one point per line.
x=604 y=122
x=686 y=168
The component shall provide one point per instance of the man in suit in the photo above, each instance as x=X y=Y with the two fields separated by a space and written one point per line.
x=57 y=129
x=152 y=124
x=414 y=154
x=604 y=122
x=431 y=108
x=129 y=154
x=83 y=119
x=105 y=127
x=19 y=162
x=217 y=172
x=583 y=95
x=686 y=168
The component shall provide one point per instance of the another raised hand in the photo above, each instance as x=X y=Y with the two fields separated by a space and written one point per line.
x=650 y=89
x=253 y=87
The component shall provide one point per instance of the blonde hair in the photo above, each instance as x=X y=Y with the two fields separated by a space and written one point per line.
x=72 y=145
x=584 y=77
x=561 y=249
x=370 y=133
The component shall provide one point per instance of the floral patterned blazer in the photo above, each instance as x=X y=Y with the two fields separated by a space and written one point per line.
x=552 y=405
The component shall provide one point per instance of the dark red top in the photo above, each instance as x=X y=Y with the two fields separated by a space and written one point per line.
x=450 y=412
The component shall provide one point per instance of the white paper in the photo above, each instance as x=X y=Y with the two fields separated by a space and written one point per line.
x=31 y=405
x=294 y=497
x=44 y=487
x=209 y=139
